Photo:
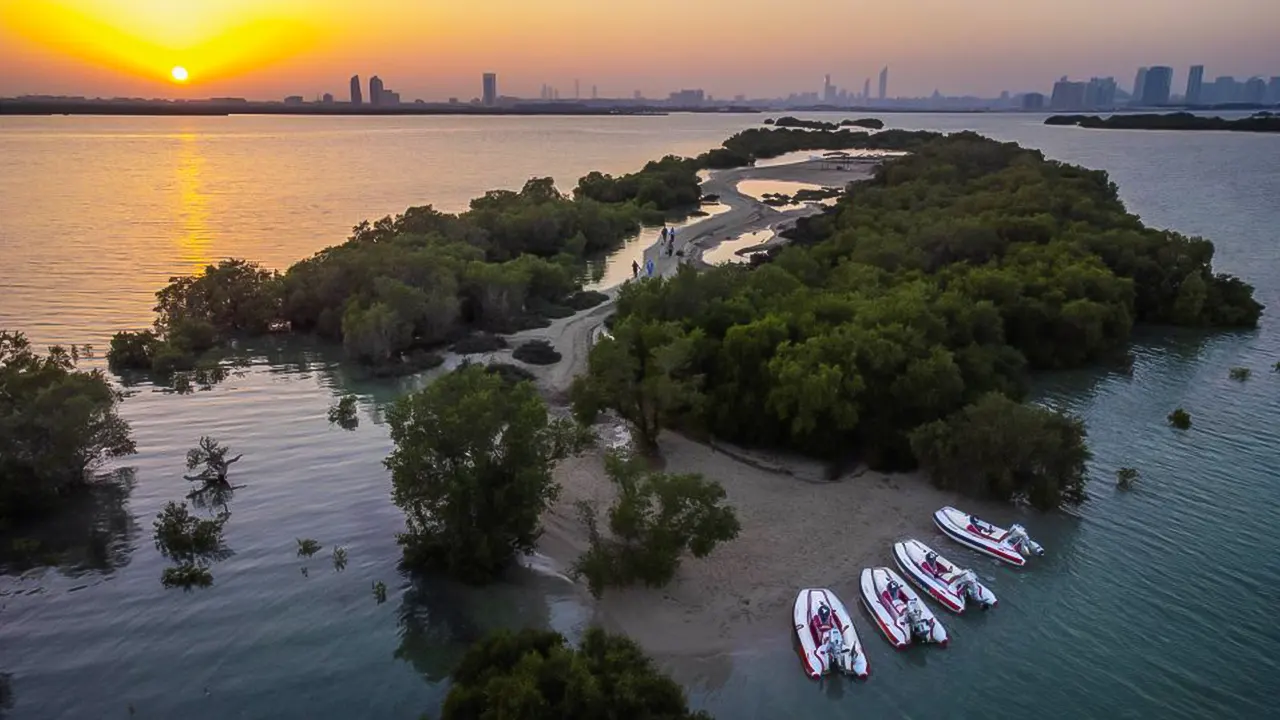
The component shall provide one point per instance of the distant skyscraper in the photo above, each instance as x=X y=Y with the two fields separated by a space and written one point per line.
x=1225 y=89
x=828 y=90
x=1273 y=90
x=1100 y=93
x=884 y=82
x=490 y=89
x=1033 y=101
x=356 y=97
x=1255 y=90
x=375 y=90
x=1195 y=82
x=1138 y=81
x=1067 y=95
x=594 y=94
x=1156 y=85
x=866 y=90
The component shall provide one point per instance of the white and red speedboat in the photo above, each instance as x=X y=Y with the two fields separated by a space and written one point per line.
x=1007 y=545
x=949 y=584
x=899 y=612
x=828 y=642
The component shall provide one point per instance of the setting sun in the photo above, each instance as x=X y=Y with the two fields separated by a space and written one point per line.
x=179 y=74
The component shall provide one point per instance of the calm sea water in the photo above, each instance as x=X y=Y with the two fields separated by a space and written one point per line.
x=1154 y=603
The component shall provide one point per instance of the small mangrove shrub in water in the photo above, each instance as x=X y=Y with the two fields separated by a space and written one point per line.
x=307 y=547
x=181 y=536
x=343 y=413
x=380 y=591
x=1126 y=477
x=213 y=456
x=339 y=559
x=191 y=542
x=1240 y=374
x=1180 y=419
x=186 y=576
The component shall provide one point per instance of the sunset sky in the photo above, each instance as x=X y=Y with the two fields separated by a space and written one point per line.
x=434 y=49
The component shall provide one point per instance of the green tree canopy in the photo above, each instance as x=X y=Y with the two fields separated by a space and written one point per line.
x=657 y=518
x=471 y=470
x=644 y=371
x=1005 y=450
x=56 y=425
x=536 y=675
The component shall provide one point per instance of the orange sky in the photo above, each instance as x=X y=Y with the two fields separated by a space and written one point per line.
x=434 y=49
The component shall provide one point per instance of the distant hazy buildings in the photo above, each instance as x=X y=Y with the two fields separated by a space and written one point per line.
x=1096 y=94
x=356 y=96
x=1067 y=95
x=1195 y=83
x=866 y=90
x=1138 y=81
x=1033 y=101
x=489 y=91
x=1224 y=90
x=375 y=90
x=1273 y=90
x=828 y=90
x=1255 y=90
x=293 y=100
x=1100 y=93
x=1156 y=85
x=327 y=99
x=687 y=98
x=884 y=82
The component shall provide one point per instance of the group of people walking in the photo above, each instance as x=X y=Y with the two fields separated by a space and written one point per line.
x=669 y=240
x=667 y=245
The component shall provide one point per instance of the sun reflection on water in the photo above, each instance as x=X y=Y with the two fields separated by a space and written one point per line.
x=193 y=204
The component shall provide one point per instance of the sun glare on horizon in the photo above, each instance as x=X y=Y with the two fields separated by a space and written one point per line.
x=179 y=74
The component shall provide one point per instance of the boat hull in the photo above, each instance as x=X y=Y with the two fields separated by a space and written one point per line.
x=890 y=613
x=911 y=557
x=814 y=654
x=955 y=525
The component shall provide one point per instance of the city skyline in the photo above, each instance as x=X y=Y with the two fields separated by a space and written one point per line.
x=268 y=49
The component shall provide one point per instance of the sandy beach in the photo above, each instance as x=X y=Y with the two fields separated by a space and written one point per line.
x=797 y=531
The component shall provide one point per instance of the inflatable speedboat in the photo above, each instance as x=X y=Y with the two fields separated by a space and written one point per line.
x=1007 y=545
x=899 y=612
x=828 y=641
x=944 y=581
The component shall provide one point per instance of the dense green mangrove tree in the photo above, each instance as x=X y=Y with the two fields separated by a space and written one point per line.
x=57 y=424
x=943 y=279
x=537 y=675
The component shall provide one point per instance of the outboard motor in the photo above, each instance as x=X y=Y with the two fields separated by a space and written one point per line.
x=971 y=589
x=919 y=626
x=835 y=649
x=1018 y=538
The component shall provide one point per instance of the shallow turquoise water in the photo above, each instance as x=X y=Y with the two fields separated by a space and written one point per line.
x=1154 y=603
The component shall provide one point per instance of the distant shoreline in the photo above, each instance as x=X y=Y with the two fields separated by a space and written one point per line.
x=1259 y=123
x=205 y=108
